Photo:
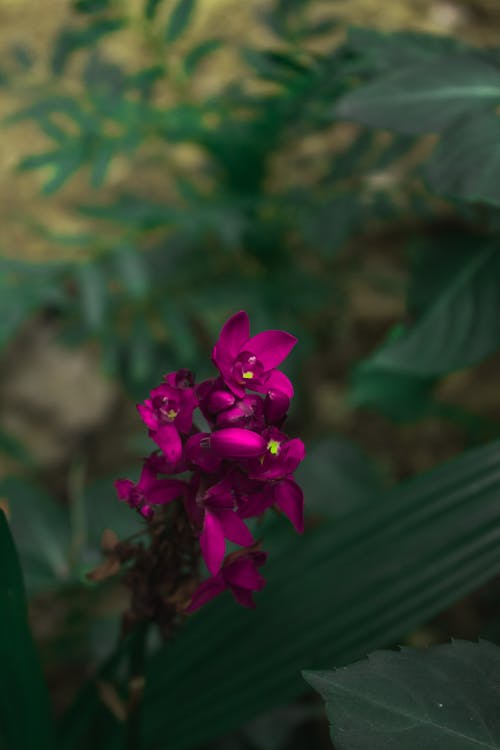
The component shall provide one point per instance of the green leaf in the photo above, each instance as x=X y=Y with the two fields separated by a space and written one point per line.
x=337 y=478
x=150 y=8
x=24 y=288
x=466 y=162
x=179 y=19
x=92 y=285
x=24 y=706
x=461 y=328
x=427 y=97
x=393 y=50
x=72 y=39
x=40 y=528
x=446 y=696
x=199 y=53
x=333 y=594
x=401 y=396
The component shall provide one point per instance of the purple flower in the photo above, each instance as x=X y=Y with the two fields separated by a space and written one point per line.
x=239 y=574
x=169 y=412
x=148 y=491
x=246 y=362
x=281 y=458
x=208 y=448
x=220 y=522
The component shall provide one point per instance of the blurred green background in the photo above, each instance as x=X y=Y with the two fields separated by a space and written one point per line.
x=163 y=165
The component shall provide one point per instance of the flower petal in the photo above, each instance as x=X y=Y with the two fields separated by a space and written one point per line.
x=277 y=381
x=168 y=438
x=205 y=592
x=243 y=596
x=271 y=347
x=294 y=452
x=198 y=452
x=236 y=442
x=123 y=488
x=166 y=490
x=147 y=414
x=242 y=572
x=234 y=528
x=290 y=499
x=235 y=332
x=276 y=405
x=212 y=543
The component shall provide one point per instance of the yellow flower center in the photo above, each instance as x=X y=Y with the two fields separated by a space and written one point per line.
x=248 y=375
x=273 y=447
x=171 y=414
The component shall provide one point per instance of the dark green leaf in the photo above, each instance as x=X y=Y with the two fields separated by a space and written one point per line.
x=337 y=478
x=41 y=531
x=150 y=8
x=425 y=98
x=466 y=162
x=199 y=53
x=329 y=225
x=92 y=283
x=394 y=50
x=72 y=39
x=332 y=595
x=446 y=697
x=179 y=19
x=91 y=6
x=401 y=396
x=24 y=288
x=460 y=328
x=24 y=706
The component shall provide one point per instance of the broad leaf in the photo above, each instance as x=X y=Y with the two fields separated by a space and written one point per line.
x=427 y=97
x=337 y=478
x=466 y=162
x=447 y=697
x=460 y=328
x=24 y=706
x=332 y=595
x=396 y=49
x=41 y=530
x=179 y=19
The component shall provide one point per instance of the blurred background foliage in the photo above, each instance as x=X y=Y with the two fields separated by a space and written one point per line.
x=165 y=164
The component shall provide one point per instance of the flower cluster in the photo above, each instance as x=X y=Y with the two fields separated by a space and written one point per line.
x=238 y=469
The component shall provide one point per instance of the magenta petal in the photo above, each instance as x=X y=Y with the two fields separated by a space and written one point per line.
x=206 y=591
x=168 y=438
x=199 y=453
x=236 y=442
x=234 y=528
x=243 y=597
x=123 y=488
x=294 y=453
x=219 y=400
x=212 y=543
x=147 y=414
x=165 y=491
x=277 y=381
x=290 y=499
x=271 y=347
x=235 y=332
x=242 y=572
x=276 y=405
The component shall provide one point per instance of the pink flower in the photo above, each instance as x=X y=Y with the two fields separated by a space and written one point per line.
x=246 y=362
x=281 y=457
x=239 y=574
x=169 y=412
x=148 y=491
x=220 y=522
